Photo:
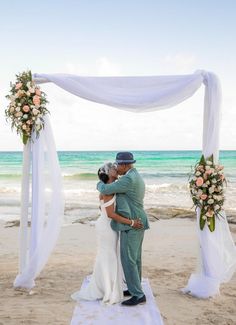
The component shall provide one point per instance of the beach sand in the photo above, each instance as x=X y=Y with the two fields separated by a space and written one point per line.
x=169 y=257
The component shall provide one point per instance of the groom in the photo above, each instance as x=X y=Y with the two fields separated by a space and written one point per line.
x=130 y=189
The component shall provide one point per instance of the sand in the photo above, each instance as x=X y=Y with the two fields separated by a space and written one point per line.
x=169 y=256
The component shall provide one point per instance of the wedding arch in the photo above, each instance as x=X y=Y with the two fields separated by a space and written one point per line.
x=135 y=94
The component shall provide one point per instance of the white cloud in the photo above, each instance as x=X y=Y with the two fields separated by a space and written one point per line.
x=179 y=63
x=103 y=66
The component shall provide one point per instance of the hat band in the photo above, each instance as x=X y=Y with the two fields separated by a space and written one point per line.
x=125 y=161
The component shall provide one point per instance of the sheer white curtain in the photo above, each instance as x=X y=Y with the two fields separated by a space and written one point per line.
x=47 y=208
x=143 y=94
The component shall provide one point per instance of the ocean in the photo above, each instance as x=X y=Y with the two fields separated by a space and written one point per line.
x=165 y=173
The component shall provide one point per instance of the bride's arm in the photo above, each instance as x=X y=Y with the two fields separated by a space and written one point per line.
x=136 y=223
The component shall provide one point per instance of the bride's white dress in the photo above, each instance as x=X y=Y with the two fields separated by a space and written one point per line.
x=106 y=282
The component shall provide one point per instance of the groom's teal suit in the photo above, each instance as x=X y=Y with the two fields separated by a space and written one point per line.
x=130 y=190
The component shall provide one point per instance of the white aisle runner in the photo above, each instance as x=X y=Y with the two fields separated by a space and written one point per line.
x=95 y=313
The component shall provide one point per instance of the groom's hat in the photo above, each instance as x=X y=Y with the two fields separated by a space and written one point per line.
x=125 y=158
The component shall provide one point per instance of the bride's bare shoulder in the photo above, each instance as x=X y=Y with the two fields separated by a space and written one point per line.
x=105 y=198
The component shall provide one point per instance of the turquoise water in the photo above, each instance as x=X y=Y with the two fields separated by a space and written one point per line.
x=165 y=173
x=151 y=164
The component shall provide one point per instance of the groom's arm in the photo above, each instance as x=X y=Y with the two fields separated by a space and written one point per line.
x=120 y=186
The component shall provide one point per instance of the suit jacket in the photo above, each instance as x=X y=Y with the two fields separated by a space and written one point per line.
x=130 y=190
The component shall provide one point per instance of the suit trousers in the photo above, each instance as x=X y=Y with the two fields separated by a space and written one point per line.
x=131 y=259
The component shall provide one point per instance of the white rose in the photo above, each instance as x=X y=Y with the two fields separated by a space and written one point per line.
x=214 y=181
x=217 y=207
x=208 y=182
x=209 y=162
x=25 y=116
x=12 y=109
x=24 y=127
x=211 y=190
x=20 y=123
x=38 y=121
x=28 y=93
x=31 y=90
x=17 y=109
x=207 y=167
x=211 y=201
x=197 y=173
x=35 y=111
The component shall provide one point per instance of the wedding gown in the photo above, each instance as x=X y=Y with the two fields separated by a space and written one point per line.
x=106 y=282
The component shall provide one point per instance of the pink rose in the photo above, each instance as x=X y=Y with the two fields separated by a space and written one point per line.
x=18 y=85
x=208 y=172
x=36 y=100
x=203 y=197
x=199 y=181
x=26 y=108
x=38 y=92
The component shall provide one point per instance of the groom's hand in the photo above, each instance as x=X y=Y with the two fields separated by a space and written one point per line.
x=138 y=224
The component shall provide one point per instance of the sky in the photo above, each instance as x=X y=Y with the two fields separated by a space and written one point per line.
x=125 y=37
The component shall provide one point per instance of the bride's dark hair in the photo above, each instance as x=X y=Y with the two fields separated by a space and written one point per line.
x=103 y=177
x=103 y=172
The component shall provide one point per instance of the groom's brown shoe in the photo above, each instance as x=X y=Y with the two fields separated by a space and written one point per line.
x=134 y=301
x=126 y=293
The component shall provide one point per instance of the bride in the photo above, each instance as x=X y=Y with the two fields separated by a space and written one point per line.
x=106 y=282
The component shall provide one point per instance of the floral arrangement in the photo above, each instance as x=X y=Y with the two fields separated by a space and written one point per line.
x=207 y=190
x=27 y=106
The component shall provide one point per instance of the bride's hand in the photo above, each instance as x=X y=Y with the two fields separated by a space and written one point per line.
x=137 y=224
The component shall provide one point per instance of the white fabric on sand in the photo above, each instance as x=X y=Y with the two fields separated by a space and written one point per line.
x=95 y=313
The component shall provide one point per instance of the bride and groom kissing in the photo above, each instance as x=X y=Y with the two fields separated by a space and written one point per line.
x=120 y=232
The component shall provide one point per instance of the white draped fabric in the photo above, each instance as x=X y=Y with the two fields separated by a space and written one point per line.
x=46 y=193
x=98 y=313
x=144 y=94
x=217 y=259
